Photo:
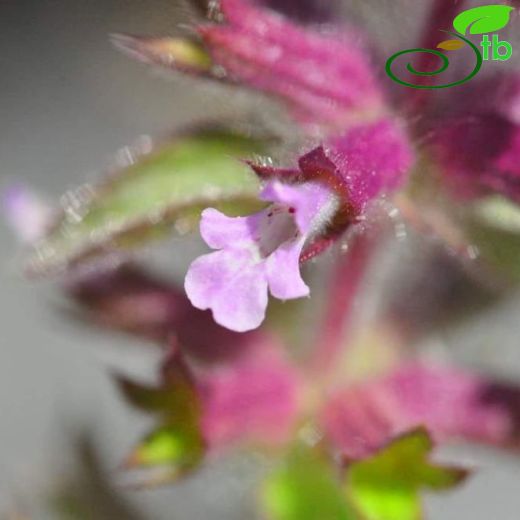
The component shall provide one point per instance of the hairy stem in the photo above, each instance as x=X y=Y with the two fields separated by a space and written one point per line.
x=345 y=283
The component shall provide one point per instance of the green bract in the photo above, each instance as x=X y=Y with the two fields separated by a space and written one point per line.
x=166 y=188
x=386 y=486
x=177 y=444
x=493 y=227
x=306 y=489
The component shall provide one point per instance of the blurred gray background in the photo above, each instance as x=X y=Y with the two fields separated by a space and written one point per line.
x=67 y=102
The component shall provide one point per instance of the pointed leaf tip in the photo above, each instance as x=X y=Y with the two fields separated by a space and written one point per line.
x=306 y=488
x=387 y=485
x=169 y=445
x=174 y=53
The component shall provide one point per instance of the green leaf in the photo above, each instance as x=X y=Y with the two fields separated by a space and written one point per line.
x=305 y=489
x=179 y=400
x=493 y=227
x=166 y=188
x=498 y=212
x=386 y=486
x=484 y=19
x=176 y=397
x=498 y=248
x=175 y=445
x=174 y=53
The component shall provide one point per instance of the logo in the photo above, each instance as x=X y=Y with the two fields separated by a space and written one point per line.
x=479 y=20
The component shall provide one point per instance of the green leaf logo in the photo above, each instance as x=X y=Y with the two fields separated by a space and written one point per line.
x=481 y=20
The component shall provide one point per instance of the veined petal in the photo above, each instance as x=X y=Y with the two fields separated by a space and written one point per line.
x=232 y=285
x=220 y=231
x=309 y=200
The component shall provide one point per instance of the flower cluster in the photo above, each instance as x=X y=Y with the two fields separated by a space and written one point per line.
x=344 y=405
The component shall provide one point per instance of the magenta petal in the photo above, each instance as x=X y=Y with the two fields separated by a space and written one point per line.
x=479 y=145
x=449 y=400
x=451 y=403
x=220 y=231
x=373 y=159
x=255 y=398
x=283 y=272
x=364 y=162
x=232 y=285
x=323 y=79
x=477 y=155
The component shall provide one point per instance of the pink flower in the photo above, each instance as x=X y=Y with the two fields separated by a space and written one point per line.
x=264 y=250
x=323 y=78
x=451 y=403
x=478 y=144
x=326 y=81
x=257 y=253
x=253 y=398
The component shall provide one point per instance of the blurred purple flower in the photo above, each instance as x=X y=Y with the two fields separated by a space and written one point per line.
x=129 y=299
x=254 y=398
x=477 y=144
x=451 y=403
x=251 y=397
x=26 y=213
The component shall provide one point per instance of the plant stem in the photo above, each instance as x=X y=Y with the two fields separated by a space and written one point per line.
x=346 y=279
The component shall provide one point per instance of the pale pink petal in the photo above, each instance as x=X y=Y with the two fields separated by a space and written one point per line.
x=283 y=272
x=308 y=201
x=220 y=231
x=232 y=285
